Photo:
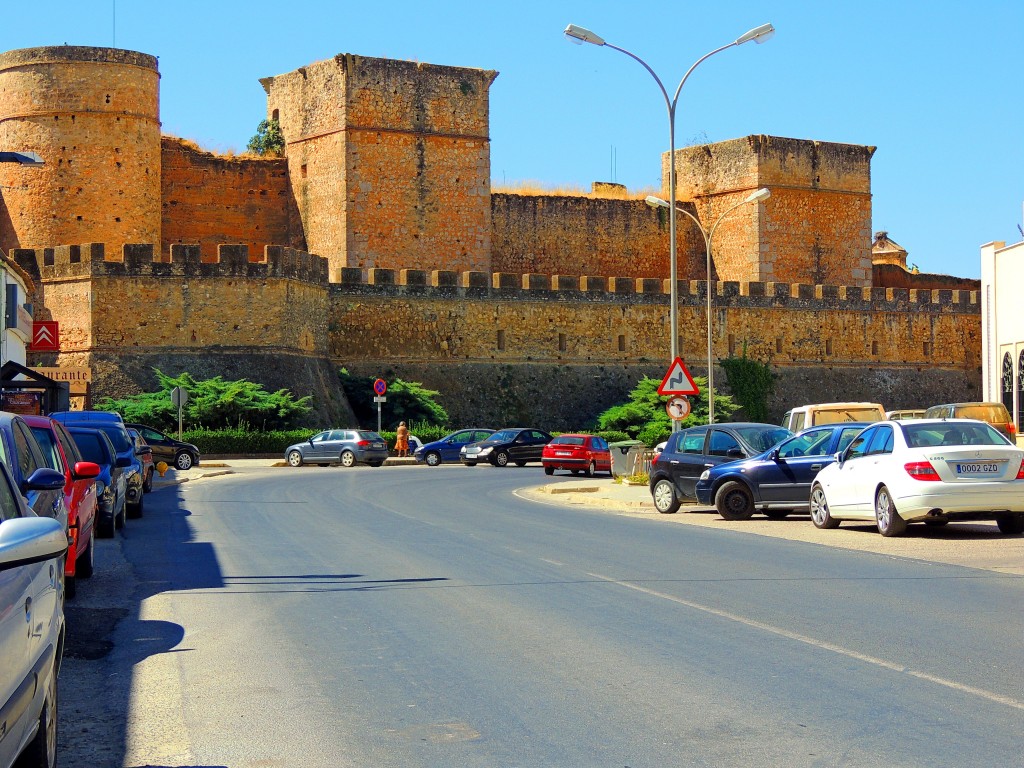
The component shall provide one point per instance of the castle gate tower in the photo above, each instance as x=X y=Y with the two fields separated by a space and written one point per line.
x=92 y=114
x=389 y=161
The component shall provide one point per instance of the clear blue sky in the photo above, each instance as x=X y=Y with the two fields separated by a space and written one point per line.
x=936 y=87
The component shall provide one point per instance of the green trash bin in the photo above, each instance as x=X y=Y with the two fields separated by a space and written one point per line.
x=624 y=456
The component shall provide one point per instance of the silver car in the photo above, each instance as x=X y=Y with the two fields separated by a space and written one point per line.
x=339 y=446
x=31 y=628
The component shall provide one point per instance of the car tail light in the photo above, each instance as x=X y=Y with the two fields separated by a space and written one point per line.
x=1020 y=472
x=655 y=457
x=363 y=443
x=921 y=470
x=1011 y=428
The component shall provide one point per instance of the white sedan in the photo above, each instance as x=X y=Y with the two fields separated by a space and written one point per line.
x=930 y=470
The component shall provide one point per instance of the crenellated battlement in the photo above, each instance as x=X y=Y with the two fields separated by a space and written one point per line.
x=540 y=287
x=144 y=260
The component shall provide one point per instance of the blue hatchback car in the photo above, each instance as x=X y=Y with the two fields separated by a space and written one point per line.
x=777 y=481
x=448 y=447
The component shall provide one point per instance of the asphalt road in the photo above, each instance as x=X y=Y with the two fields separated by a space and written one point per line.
x=412 y=617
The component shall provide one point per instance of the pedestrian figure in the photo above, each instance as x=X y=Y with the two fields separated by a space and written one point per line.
x=402 y=440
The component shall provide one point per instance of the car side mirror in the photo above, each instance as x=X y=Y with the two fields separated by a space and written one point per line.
x=735 y=453
x=85 y=470
x=45 y=479
x=774 y=455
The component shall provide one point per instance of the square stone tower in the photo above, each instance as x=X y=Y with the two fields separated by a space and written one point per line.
x=815 y=227
x=389 y=161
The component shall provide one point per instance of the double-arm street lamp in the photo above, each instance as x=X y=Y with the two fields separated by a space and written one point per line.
x=579 y=35
x=753 y=197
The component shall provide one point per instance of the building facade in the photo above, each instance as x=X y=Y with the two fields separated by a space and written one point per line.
x=1002 y=276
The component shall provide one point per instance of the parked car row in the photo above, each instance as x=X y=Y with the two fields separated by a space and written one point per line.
x=805 y=416
x=65 y=479
x=891 y=472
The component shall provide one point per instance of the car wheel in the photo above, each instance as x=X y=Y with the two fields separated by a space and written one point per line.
x=1011 y=525
x=777 y=514
x=432 y=459
x=549 y=470
x=347 y=458
x=85 y=565
x=664 y=494
x=147 y=484
x=41 y=752
x=183 y=460
x=590 y=470
x=889 y=521
x=70 y=587
x=105 y=528
x=294 y=459
x=501 y=459
x=734 y=501
x=135 y=510
x=819 y=509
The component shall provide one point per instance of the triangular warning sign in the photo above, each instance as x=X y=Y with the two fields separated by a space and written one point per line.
x=678 y=381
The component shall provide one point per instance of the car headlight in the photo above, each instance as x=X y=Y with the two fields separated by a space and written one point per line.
x=485 y=451
x=705 y=474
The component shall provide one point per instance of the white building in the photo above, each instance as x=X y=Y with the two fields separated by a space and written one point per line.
x=15 y=288
x=1002 y=328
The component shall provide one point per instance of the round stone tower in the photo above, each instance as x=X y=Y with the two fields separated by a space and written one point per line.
x=93 y=116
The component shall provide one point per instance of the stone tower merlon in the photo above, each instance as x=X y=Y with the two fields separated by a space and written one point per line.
x=389 y=161
x=93 y=115
x=815 y=227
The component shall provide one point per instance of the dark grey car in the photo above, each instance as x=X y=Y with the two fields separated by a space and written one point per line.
x=339 y=446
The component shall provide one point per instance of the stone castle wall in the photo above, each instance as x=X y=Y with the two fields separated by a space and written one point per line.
x=210 y=200
x=494 y=345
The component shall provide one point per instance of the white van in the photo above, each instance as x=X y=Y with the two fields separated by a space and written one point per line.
x=830 y=413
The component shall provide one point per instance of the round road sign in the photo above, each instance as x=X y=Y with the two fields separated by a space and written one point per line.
x=678 y=408
x=380 y=386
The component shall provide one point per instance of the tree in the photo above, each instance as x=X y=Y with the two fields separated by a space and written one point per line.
x=643 y=416
x=268 y=139
x=408 y=401
x=212 y=404
x=753 y=383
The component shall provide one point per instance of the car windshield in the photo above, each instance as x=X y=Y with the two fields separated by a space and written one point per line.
x=49 y=445
x=952 y=433
x=846 y=414
x=568 y=441
x=364 y=435
x=503 y=436
x=763 y=438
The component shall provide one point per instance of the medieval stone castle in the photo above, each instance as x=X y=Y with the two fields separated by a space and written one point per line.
x=376 y=244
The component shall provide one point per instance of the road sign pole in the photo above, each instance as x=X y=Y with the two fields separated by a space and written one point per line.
x=378 y=417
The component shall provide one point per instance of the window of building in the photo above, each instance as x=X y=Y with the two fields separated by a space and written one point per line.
x=778 y=345
x=828 y=346
x=874 y=347
x=622 y=342
x=501 y=341
x=927 y=349
x=561 y=342
x=1020 y=392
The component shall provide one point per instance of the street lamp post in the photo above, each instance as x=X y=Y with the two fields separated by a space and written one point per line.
x=753 y=197
x=579 y=35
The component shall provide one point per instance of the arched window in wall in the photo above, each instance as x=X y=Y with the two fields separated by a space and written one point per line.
x=1020 y=392
x=1007 y=382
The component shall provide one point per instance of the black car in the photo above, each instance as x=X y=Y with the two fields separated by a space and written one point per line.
x=778 y=481
x=517 y=446
x=177 y=453
x=689 y=452
x=112 y=481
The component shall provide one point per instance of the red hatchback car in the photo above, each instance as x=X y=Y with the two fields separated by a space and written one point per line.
x=61 y=454
x=577 y=453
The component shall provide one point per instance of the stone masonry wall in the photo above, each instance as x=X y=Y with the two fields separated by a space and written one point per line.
x=210 y=200
x=390 y=161
x=817 y=224
x=554 y=234
x=92 y=114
